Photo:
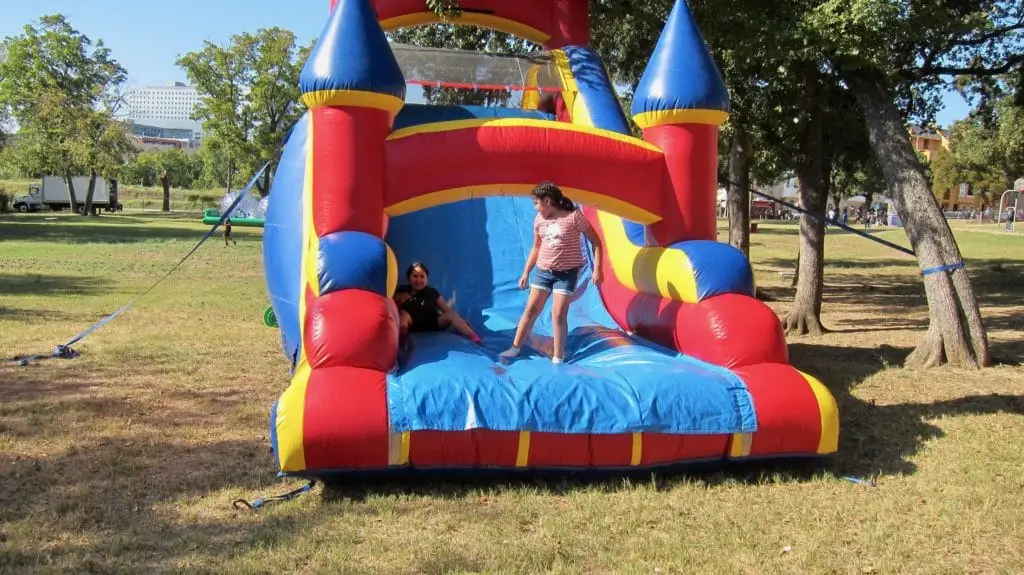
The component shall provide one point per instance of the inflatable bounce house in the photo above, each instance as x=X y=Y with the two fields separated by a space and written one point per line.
x=671 y=360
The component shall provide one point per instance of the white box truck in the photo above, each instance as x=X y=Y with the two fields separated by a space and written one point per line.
x=53 y=194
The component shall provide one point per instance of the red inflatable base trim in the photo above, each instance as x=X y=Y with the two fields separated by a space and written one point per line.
x=346 y=429
x=345 y=420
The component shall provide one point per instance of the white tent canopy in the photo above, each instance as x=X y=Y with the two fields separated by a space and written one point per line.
x=857 y=201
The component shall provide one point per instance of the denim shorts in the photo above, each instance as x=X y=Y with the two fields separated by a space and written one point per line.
x=559 y=281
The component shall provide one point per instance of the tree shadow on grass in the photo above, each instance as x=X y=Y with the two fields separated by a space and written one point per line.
x=50 y=284
x=880 y=438
x=112 y=496
x=99 y=231
x=25 y=315
x=993 y=288
x=108 y=496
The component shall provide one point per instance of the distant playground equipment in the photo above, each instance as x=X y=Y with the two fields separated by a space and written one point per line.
x=671 y=361
x=251 y=210
x=1009 y=211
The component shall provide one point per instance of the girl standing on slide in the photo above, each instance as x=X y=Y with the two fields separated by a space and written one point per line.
x=558 y=254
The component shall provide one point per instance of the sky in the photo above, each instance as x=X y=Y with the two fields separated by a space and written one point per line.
x=147 y=36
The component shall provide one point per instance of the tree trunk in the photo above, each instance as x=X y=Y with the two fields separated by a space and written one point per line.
x=738 y=196
x=71 y=191
x=955 y=333
x=166 y=183
x=265 y=188
x=796 y=269
x=805 y=316
x=90 y=193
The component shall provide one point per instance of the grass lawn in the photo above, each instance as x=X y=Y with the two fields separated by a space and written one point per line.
x=128 y=458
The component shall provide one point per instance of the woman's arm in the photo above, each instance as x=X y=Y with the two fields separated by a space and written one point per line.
x=531 y=261
x=595 y=241
x=443 y=305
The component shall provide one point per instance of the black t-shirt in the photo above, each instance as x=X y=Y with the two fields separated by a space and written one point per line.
x=421 y=304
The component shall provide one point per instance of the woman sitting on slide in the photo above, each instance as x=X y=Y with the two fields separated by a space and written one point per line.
x=422 y=309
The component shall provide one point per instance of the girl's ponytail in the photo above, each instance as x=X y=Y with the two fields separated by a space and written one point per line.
x=548 y=190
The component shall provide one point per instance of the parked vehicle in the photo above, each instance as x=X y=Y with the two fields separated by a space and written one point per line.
x=53 y=193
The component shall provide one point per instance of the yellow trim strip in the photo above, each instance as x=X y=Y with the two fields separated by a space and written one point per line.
x=607 y=203
x=531 y=98
x=663 y=117
x=453 y=125
x=356 y=98
x=311 y=257
x=523 y=453
x=665 y=272
x=638 y=449
x=468 y=19
x=392 y=271
x=574 y=100
x=829 y=413
x=394 y=446
x=741 y=443
x=403 y=457
x=291 y=407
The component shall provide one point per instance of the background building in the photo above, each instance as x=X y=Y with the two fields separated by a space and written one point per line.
x=927 y=141
x=165 y=112
x=786 y=189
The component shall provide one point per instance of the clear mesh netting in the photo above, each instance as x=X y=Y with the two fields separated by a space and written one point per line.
x=467 y=69
x=251 y=206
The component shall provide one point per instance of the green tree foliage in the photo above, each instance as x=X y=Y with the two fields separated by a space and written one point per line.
x=64 y=91
x=250 y=94
x=988 y=148
x=216 y=167
x=945 y=176
x=183 y=170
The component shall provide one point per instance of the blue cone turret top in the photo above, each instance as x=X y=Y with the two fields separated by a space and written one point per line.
x=682 y=84
x=352 y=63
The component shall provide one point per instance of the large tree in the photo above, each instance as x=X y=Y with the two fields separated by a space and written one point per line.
x=64 y=91
x=895 y=57
x=250 y=94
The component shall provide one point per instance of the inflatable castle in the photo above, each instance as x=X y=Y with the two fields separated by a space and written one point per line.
x=670 y=361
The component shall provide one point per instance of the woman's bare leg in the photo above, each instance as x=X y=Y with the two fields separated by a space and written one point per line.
x=534 y=305
x=560 y=324
x=460 y=325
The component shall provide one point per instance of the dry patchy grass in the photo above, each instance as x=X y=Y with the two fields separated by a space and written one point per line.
x=128 y=458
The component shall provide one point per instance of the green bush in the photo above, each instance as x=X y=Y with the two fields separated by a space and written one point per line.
x=5 y=201
x=200 y=200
